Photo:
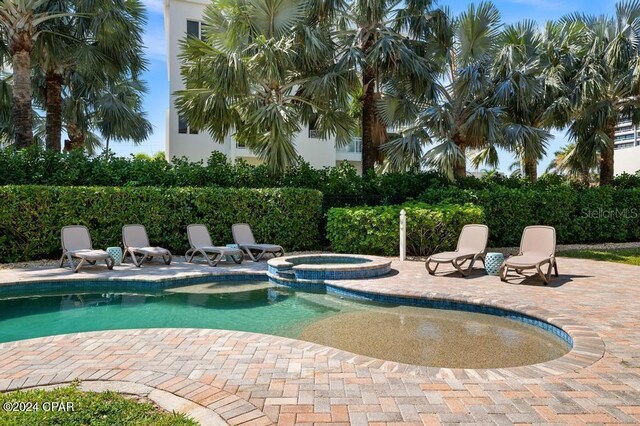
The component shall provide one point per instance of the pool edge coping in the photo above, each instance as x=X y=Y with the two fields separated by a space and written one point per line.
x=587 y=346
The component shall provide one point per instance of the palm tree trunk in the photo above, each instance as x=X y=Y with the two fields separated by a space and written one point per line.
x=460 y=168
x=76 y=137
x=53 y=107
x=531 y=169
x=369 y=148
x=585 y=176
x=606 y=156
x=22 y=113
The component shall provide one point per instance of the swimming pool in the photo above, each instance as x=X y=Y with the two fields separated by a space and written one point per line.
x=414 y=335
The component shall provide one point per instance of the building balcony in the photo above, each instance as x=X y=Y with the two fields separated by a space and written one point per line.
x=355 y=147
x=350 y=152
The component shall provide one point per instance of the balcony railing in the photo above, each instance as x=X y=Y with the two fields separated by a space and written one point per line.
x=624 y=145
x=354 y=147
x=631 y=136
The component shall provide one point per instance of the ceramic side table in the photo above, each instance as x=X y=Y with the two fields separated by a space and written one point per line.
x=492 y=263
x=116 y=254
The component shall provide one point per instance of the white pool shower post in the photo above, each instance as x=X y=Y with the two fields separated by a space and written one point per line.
x=403 y=235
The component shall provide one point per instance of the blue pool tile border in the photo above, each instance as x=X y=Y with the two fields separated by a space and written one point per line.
x=309 y=285
x=119 y=284
x=451 y=305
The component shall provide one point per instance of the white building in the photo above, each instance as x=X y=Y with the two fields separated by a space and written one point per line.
x=182 y=17
x=627 y=148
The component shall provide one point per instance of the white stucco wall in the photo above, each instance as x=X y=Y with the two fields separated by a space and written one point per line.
x=627 y=160
x=319 y=153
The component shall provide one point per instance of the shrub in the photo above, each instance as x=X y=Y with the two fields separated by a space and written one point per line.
x=375 y=230
x=342 y=184
x=32 y=216
x=589 y=215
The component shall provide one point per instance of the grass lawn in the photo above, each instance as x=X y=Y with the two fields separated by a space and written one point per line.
x=630 y=256
x=69 y=406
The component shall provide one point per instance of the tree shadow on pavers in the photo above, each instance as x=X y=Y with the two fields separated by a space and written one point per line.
x=475 y=273
x=535 y=280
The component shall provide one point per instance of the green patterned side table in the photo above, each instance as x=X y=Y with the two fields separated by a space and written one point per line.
x=492 y=263
x=116 y=254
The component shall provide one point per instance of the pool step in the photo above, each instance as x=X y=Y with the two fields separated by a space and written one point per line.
x=287 y=273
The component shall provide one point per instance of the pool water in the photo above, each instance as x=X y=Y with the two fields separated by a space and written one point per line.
x=422 y=336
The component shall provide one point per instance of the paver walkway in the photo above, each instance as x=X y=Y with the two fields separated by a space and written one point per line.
x=257 y=379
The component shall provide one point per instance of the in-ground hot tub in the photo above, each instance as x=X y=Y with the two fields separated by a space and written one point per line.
x=314 y=269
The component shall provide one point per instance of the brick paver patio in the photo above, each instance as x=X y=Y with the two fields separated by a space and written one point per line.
x=248 y=378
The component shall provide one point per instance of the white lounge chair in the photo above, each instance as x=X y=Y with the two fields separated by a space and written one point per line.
x=136 y=242
x=76 y=243
x=200 y=242
x=472 y=244
x=243 y=237
x=537 y=248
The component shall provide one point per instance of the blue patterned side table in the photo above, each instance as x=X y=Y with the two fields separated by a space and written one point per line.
x=230 y=258
x=116 y=254
x=492 y=263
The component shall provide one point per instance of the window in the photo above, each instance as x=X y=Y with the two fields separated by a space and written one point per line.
x=183 y=127
x=313 y=131
x=624 y=137
x=623 y=145
x=193 y=29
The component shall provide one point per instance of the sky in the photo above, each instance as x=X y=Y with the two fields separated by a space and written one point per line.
x=156 y=101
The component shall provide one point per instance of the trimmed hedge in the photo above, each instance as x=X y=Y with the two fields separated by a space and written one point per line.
x=32 y=216
x=375 y=230
x=593 y=215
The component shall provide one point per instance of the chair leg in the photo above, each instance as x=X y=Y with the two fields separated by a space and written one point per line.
x=215 y=260
x=134 y=259
x=238 y=259
x=504 y=270
x=167 y=259
x=71 y=263
x=427 y=265
x=248 y=252
x=188 y=256
x=458 y=267
x=110 y=263
x=259 y=256
x=544 y=277
x=77 y=268
x=555 y=267
x=62 y=260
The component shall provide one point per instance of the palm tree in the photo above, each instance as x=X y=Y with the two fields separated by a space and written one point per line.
x=568 y=162
x=88 y=44
x=606 y=85
x=464 y=116
x=21 y=24
x=6 y=122
x=262 y=70
x=398 y=49
x=524 y=91
x=111 y=111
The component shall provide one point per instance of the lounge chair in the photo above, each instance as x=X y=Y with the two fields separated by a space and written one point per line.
x=76 y=243
x=136 y=242
x=243 y=237
x=200 y=242
x=472 y=244
x=537 y=248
